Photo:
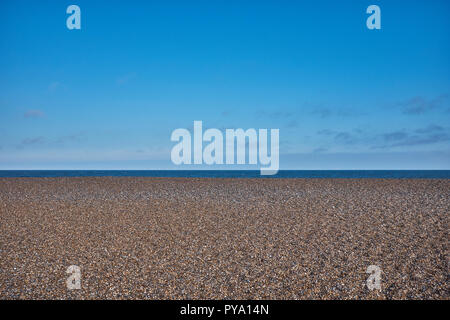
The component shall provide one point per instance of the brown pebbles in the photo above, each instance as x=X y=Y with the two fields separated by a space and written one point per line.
x=198 y=238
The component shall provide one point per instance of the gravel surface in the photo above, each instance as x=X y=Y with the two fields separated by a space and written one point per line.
x=198 y=238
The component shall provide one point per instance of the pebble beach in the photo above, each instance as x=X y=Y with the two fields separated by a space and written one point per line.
x=202 y=238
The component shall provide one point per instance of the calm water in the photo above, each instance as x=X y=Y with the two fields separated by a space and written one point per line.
x=386 y=174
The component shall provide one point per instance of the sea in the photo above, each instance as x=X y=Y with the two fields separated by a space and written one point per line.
x=327 y=174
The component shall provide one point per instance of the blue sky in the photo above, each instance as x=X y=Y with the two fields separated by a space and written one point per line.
x=108 y=96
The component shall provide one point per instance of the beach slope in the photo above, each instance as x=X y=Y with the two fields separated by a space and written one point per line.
x=199 y=238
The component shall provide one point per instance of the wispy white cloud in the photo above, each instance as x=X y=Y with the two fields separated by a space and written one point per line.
x=420 y=105
x=34 y=114
x=55 y=85
x=31 y=141
x=125 y=78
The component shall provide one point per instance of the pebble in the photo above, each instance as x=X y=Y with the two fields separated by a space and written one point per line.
x=200 y=238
